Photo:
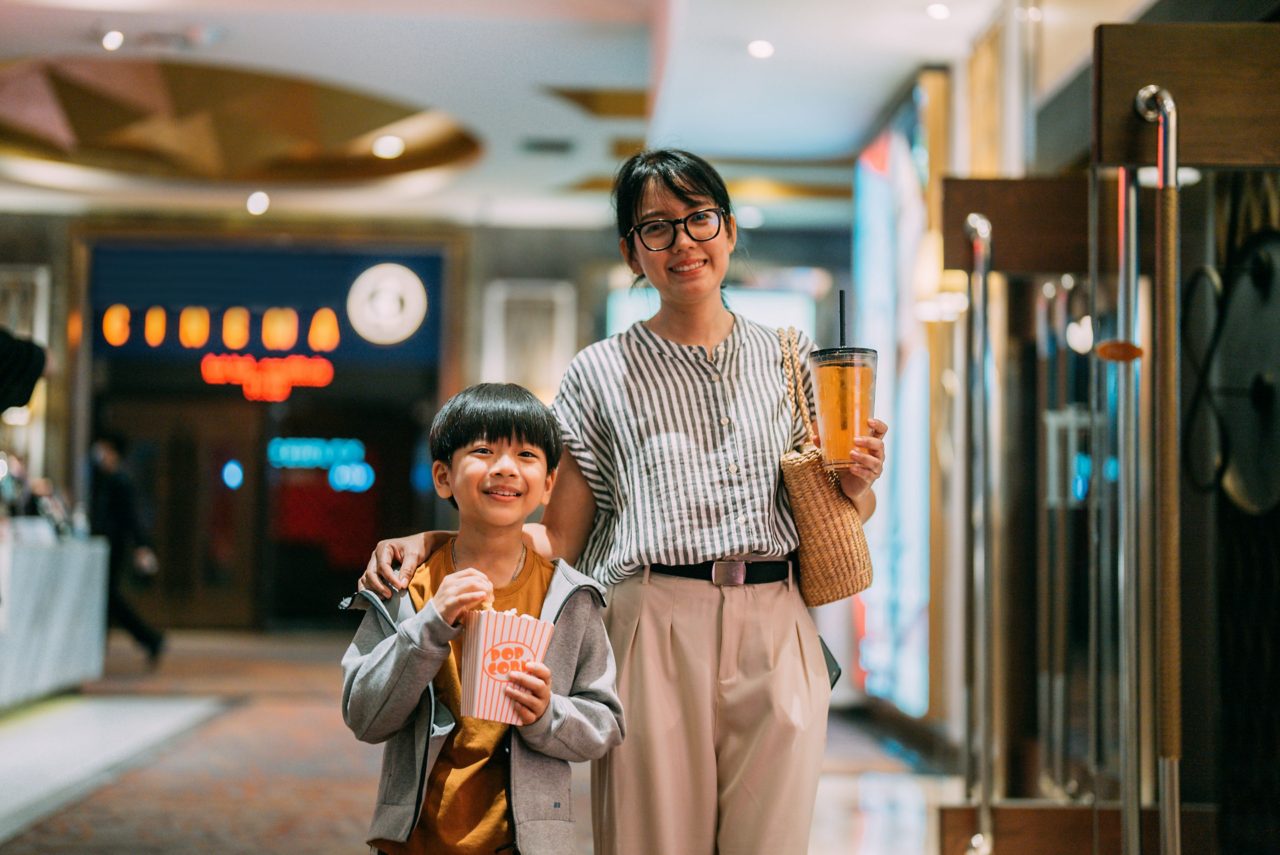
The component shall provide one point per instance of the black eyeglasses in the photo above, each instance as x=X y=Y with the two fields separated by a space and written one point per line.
x=657 y=235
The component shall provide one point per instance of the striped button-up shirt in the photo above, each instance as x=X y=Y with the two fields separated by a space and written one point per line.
x=681 y=447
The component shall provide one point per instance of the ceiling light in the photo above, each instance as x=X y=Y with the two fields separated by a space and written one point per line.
x=760 y=49
x=749 y=217
x=258 y=203
x=1149 y=176
x=1034 y=14
x=1080 y=335
x=938 y=11
x=388 y=147
x=112 y=40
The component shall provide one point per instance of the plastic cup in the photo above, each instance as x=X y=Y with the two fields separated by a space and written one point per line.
x=844 y=384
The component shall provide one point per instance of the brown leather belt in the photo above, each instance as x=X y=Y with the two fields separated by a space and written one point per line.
x=729 y=571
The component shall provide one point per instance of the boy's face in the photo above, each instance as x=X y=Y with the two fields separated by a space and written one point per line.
x=495 y=482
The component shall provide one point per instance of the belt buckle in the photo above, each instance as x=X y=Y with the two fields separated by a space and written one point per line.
x=728 y=572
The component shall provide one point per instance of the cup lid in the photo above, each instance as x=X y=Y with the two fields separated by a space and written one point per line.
x=831 y=353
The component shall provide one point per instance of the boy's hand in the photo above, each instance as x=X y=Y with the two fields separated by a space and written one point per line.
x=461 y=591
x=530 y=691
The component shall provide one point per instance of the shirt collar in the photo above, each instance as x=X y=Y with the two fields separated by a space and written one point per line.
x=642 y=334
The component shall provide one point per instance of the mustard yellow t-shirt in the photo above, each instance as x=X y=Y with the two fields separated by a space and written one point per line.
x=464 y=809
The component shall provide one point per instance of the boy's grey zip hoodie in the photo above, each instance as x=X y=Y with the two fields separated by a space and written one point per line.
x=387 y=697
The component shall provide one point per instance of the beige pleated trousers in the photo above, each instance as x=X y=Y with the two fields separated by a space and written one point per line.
x=725 y=695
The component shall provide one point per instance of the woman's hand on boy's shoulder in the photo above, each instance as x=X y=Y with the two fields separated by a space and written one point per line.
x=460 y=592
x=393 y=561
x=530 y=692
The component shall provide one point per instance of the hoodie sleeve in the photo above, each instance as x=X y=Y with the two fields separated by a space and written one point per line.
x=386 y=669
x=584 y=719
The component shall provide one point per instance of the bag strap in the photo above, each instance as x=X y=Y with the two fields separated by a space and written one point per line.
x=788 y=338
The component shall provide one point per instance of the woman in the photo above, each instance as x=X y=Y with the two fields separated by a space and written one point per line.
x=674 y=430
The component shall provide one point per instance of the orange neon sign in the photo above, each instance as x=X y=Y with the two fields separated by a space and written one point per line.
x=193 y=327
x=323 y=335
x=235 y=328
x=268 y=379
x=115 y=325
x=279 y=329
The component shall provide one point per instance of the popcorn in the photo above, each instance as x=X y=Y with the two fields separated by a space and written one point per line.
x=496 y=645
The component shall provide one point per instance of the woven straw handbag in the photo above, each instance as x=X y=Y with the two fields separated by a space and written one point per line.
x=834 y=559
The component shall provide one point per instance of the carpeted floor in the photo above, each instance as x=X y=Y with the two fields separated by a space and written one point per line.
x=278 y=772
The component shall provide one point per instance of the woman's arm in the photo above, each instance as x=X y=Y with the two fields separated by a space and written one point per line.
x=567 y=522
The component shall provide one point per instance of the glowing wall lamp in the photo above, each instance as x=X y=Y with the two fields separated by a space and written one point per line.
x=115 y=325
x=153 y=327
x=235 y=328
x=323 y=336
x=193 y=326
x=279 y=329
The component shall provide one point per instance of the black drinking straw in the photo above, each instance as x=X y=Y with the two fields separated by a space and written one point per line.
x=842 y=317
x=844 y=391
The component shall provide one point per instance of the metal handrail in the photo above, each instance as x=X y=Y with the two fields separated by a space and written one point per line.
x=978 y=230
x=1129 y=609
x=1156 y=105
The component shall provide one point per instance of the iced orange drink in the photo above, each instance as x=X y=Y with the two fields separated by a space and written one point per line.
x=844 y=388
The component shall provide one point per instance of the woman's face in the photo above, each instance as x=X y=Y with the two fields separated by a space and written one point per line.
x=688 y=272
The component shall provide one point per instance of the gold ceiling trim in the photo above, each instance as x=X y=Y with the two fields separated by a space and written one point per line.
x=624 y=148
x=748 y=190
x=607 y=103
x=184 y=121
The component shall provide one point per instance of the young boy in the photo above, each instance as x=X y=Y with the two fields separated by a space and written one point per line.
x=462 y=785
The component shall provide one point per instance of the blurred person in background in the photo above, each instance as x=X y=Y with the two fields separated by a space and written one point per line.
x=22 y=363
x=113 y=514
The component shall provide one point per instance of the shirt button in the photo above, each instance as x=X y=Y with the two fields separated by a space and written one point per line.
x=724 y=420
x=715 y=378
x=733 y=467
x=742 y=520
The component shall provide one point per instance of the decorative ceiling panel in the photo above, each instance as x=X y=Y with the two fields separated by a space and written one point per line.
x=165 y=119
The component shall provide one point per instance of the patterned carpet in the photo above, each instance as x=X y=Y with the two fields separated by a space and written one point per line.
x=277 y=773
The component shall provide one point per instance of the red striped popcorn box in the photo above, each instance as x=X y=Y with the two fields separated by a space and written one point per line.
x=496 y=645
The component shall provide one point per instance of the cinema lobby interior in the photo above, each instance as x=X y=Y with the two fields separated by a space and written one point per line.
x=250 y=248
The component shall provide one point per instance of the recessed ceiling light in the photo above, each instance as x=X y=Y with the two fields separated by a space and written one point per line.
x=257 y=203
x=938 y=11
x=749 y=217
x=388 y=147
x=112 y=40
x=760 y=49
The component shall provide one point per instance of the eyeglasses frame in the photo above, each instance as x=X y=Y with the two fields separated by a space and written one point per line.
x=680 y=221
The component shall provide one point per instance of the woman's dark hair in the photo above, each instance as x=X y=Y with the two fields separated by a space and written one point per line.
x=494 y=411
x=686 y=175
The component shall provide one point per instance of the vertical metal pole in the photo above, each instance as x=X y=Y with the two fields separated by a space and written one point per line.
x=978 y=229
x=1127 y=497
x=1097 y=509
x=1156 y=105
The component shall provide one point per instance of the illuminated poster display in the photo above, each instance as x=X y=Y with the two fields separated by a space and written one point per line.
x=889 y=223
x=265 y=319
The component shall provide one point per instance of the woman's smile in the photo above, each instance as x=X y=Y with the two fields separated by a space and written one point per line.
x=685 y=267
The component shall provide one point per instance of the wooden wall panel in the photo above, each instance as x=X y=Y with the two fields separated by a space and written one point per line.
x=1046 y=828
x=1039 y=225
x=1223 y=78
